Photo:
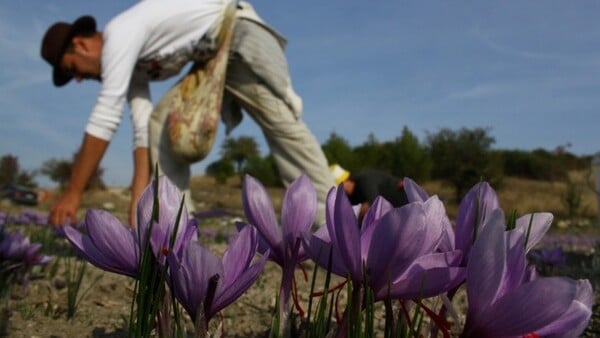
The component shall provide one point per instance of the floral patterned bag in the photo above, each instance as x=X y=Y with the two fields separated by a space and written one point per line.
x=195 y=103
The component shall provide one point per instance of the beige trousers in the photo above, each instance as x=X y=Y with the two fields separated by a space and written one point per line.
x=293 y=146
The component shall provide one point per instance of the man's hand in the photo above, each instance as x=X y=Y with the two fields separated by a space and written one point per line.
x=65 y=209
x=86 y=163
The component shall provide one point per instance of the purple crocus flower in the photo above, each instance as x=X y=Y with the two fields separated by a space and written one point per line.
x=17 y=256
x=284 y=242
x=549 y=257
x=113 y=246
x=30 y=216
x=205 y=284
x=16 y=247
x=507 y=301
x=396 y=247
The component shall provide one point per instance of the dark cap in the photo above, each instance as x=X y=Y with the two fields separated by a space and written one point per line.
x=57 y=39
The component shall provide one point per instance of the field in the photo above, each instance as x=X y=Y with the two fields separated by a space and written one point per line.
x=104 y=300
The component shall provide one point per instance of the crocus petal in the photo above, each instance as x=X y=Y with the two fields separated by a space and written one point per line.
x=42 y=259
x=366 y=238
x=437 y=222
x=398 y=238
x=169 y=204
x=13 y=245
x=540 y=223
x=538 y=304
x=486 y=265
x=319 y=250
x=114 y=239
x=298 y=209
x=436 y=260
x=330 y=213
x=263 y=246
x=516 y=264
x=190 y=234
x=448 y=239
x=347 y=237
x=144 y=207
x=574 y=321
x=32 y=258
x=98 y=257
x=238 y=286
x=414 y=192
x=424 y=283
x=169 y=198
x=76 y=239
x=429 y=275
x=86 y=248
x=239 y=253
x=438 y=219
x=323 y=233
x=379 y=208
x=167 y=217
x=473 y=211
x=260 y=213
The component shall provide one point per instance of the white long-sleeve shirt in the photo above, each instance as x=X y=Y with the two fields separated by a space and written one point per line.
x=153 y=40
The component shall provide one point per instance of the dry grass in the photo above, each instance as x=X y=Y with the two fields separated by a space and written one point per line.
x=527 y=196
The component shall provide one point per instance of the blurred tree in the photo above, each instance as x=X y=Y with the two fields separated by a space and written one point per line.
x=264 y=170
x=462 y=158
x=541 y=164
x=518 y=163
x=59 y=171
x=407 y=157
x=338 y=150
x=9 y=168
x=221 y=170
x=370 y=155
x=239 y=150
x=10 y=172
x=553 y=165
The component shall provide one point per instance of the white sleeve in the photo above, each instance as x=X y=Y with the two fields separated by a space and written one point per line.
x=141 y=108
x=119 y=56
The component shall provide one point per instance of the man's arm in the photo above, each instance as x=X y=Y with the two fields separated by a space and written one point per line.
x=141 y=179
x=86 y=163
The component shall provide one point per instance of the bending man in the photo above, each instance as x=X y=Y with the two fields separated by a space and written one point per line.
x=154 y=40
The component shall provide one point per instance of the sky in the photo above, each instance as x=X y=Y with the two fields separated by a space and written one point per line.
x=527 y=70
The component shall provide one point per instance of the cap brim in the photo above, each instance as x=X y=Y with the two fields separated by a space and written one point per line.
x=344 y=176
